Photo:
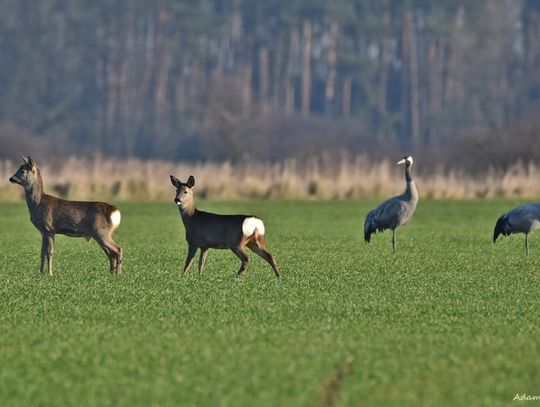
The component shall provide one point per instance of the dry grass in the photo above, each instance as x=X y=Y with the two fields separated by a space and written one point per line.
x=348 y=178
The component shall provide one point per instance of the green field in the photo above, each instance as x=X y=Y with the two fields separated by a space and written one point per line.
x=452 y=320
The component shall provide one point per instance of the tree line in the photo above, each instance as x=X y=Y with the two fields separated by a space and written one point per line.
x=219 y=79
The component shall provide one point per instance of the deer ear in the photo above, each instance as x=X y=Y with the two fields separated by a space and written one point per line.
x=31 y=162
x=190 y=182
x=175 y=181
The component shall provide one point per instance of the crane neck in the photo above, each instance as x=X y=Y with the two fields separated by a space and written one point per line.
x=410 y=191
x=408 y=176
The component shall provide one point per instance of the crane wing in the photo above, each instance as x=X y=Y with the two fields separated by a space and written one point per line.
x=389 y=213
x=522 y=219
x=384 y=216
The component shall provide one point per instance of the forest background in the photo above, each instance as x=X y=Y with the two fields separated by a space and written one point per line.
x=295 y=88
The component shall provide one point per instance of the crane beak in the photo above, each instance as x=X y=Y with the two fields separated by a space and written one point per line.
x=402 y=161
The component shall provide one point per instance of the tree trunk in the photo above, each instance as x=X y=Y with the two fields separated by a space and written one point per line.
x=99 y=122
x=181 y=88
x=530 y=23
x=126 y=106
x=453 y=86
x=306 y=67
x=384 y=64
x=161 y=91
x=415 y=89
x=277 y=73
x=247 y=75
x=112 y=89
x=410 y=96
x=101 y=86
x=263 y=79
x=346 y=102
x=236 y=35
x=290 y=91
x=329 y=89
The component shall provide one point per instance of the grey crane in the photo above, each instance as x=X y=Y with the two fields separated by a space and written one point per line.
x=396 y=211
x=523 y=219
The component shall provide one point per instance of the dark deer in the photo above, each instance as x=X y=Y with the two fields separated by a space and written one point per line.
x=206 y=230
x=51 y=215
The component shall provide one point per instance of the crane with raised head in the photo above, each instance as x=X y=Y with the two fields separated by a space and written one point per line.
x=396 y=211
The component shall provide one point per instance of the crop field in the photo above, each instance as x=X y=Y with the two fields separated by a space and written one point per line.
x=452 y=319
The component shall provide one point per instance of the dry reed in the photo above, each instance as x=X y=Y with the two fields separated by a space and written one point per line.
x=347 y=178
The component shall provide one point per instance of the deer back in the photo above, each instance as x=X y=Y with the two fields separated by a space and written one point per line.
x=205 y=229
x=77 y=218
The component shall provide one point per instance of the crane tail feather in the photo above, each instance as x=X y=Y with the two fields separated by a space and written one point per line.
x=500 y=228
x=367 y=235
x=369 y=227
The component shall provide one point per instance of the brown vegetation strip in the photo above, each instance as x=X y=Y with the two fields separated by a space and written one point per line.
x=345 y=178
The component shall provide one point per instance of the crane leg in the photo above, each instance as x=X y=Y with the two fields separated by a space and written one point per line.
x=394 y=241
x=527 y=243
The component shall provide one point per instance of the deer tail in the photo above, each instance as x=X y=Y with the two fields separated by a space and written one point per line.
x=252 y=225
x=115 y=217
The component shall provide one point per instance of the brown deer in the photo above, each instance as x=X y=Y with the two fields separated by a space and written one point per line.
x=206 y=230
x=51 y=215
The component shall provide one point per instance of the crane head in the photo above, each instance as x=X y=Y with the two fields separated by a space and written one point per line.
x=406 y=160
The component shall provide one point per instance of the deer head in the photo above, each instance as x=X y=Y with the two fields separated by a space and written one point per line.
x=184 y=192
x=27 y=174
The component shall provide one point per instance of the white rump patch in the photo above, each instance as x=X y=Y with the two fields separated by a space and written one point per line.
x=250 y=224
x=116 y=217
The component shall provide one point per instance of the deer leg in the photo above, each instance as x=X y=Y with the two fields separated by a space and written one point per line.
x=239 y=251
x=116 y=256
x=50 y=252
x=202 y=258
x=189 y=259
x=112 y=258
x=119 y=259
x=112 y=264
x=109 y=251
x=258 y=247
x=43 y=253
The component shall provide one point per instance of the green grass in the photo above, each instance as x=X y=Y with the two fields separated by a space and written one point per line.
x=452 y=320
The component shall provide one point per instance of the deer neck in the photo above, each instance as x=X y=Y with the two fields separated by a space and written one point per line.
x=188 y=210
x=34 y=192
